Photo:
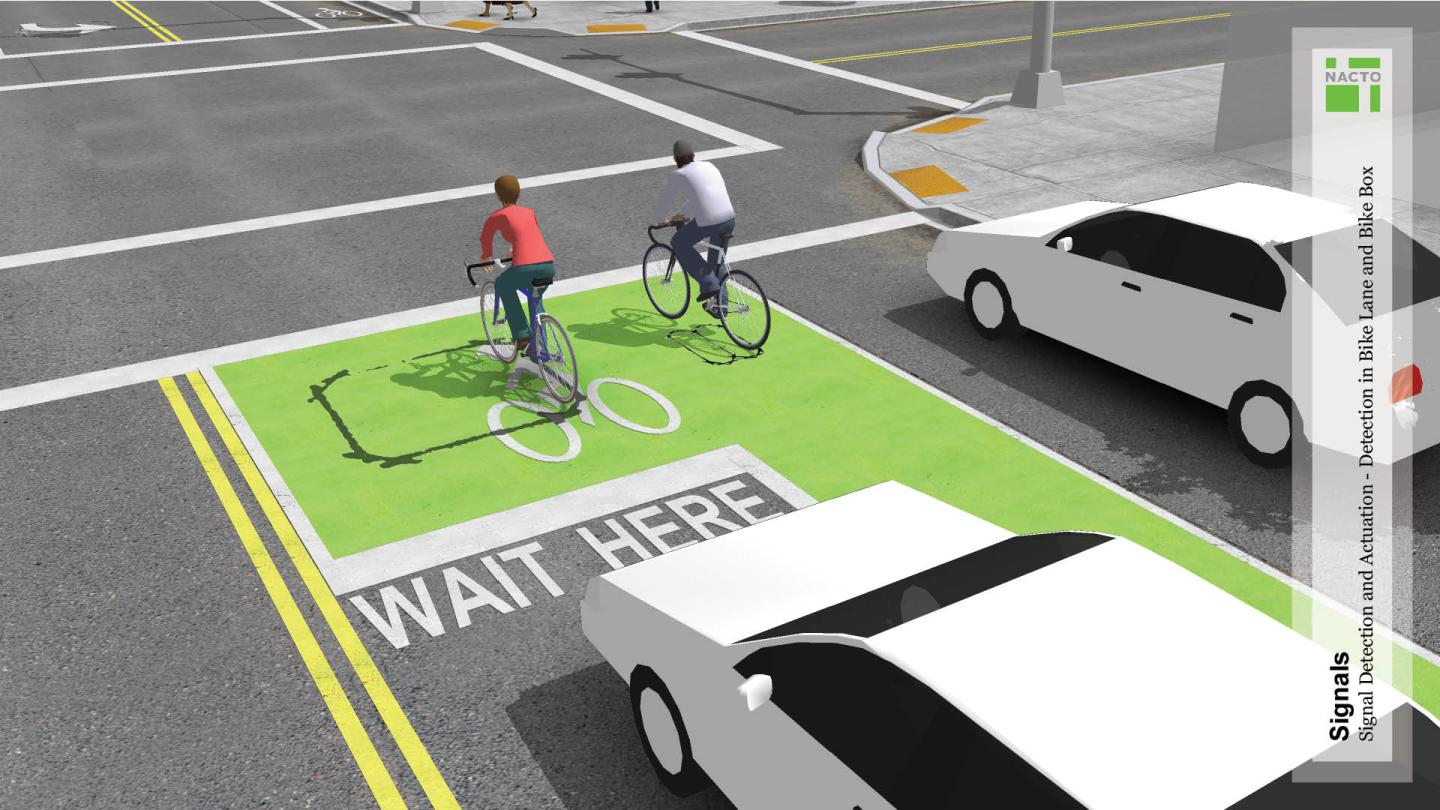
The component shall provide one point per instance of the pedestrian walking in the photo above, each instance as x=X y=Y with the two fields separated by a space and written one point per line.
x=510 y=9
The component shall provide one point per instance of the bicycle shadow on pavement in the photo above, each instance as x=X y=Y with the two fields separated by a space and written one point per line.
x=580 y=730
x=455 y=372
x=711 y=345
x=632 y=328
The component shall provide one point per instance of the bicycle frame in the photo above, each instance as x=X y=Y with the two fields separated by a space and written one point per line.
x=722 y=259
x=535 y=305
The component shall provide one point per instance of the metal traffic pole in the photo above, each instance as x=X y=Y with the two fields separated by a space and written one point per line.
x=1039 y=86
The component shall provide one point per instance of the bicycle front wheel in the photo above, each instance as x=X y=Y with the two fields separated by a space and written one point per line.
x=666 y=282
x=557 y=360
x=497 y=332
x=744 y=310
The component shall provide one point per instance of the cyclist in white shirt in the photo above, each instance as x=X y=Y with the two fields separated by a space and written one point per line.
x=708 y=215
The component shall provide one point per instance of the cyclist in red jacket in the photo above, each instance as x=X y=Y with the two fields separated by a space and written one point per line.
x=530 y=258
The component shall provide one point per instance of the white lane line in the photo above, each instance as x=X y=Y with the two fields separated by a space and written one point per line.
x=1138 y=500
x=95 y=381
x=223 y=68
x=378 y=8
x=337 y=211
x=924 y=95
x=211 y=40
x=743 y=144
x=626 y=97
x=300 y=17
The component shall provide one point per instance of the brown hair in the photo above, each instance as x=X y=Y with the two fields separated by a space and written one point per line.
x=507 y=188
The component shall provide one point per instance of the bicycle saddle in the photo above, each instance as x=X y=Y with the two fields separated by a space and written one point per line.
x=541 y=283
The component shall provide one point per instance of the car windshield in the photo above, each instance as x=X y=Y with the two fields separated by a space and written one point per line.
x=1416 y=269
x=912 y=597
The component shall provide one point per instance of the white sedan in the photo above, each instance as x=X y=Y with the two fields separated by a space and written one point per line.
x=887 y=650
x=1201 y=292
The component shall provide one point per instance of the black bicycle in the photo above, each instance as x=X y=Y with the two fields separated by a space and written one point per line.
x=743 y=308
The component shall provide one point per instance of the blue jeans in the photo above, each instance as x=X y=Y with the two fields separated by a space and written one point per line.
x=684 y=242
x=507 y=288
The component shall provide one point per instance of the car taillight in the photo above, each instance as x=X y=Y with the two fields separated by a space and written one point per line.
x=1406 y=383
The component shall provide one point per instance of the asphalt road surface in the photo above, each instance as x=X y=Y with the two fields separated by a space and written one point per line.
x=144 y=661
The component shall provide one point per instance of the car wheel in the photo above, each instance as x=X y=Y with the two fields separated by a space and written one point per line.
x=987 y=302
x=1260 y=423
x=662 y=732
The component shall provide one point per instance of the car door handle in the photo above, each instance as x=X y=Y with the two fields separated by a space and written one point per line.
x=1242 y=318
x=1127 y=285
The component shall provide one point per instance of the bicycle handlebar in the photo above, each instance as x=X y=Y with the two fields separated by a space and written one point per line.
x=471 y=268
x=653 y=228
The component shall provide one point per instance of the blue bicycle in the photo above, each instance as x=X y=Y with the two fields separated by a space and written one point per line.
x=549 y=347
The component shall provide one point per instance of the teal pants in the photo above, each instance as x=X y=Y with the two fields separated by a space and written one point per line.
x=508 y=285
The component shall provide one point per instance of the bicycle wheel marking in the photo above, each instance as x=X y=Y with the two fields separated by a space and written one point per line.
x=500 y=432
x=672 y=414
x=583 y=410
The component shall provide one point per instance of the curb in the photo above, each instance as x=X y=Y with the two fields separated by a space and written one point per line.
x=945 y=215
x=382 y=10
x=822 y=14
x=870 y=155
x=395 y=15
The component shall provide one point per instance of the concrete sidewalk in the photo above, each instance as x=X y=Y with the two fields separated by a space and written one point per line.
x=1126 y=140
x=583 y=17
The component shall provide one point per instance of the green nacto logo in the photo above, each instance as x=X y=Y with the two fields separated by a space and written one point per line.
x=1343 y=88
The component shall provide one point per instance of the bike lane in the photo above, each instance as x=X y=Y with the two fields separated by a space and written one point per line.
x=458 y=531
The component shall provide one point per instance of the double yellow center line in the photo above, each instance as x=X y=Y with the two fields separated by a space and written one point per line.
x=1026 y=38
x=372 y=767
x=165 y=34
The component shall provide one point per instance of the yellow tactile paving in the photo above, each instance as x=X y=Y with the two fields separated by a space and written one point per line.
x=928 y=181
x=948 y=125
x=472 y=25
x=611 y=28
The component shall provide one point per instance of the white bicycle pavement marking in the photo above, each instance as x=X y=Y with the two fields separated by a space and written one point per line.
x=209 y=41
x=592 y=401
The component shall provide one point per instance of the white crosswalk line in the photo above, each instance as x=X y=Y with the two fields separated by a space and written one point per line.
x=92 y=382
x=881 y=84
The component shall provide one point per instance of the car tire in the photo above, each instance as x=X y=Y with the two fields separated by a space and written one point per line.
x=1259 y=412
x=662 y=733
x=987 y=303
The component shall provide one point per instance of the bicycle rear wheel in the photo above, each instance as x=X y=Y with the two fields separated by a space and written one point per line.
x=666 y=282
x=556 y=359
x=497 y=332
x=744 y=310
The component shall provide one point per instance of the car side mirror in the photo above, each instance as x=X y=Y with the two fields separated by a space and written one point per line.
x=1064 y=243
x=757 y=690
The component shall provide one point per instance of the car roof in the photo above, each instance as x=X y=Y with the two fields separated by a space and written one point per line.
x=1259 y=213
x=779 y=570
x=1129 y=681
